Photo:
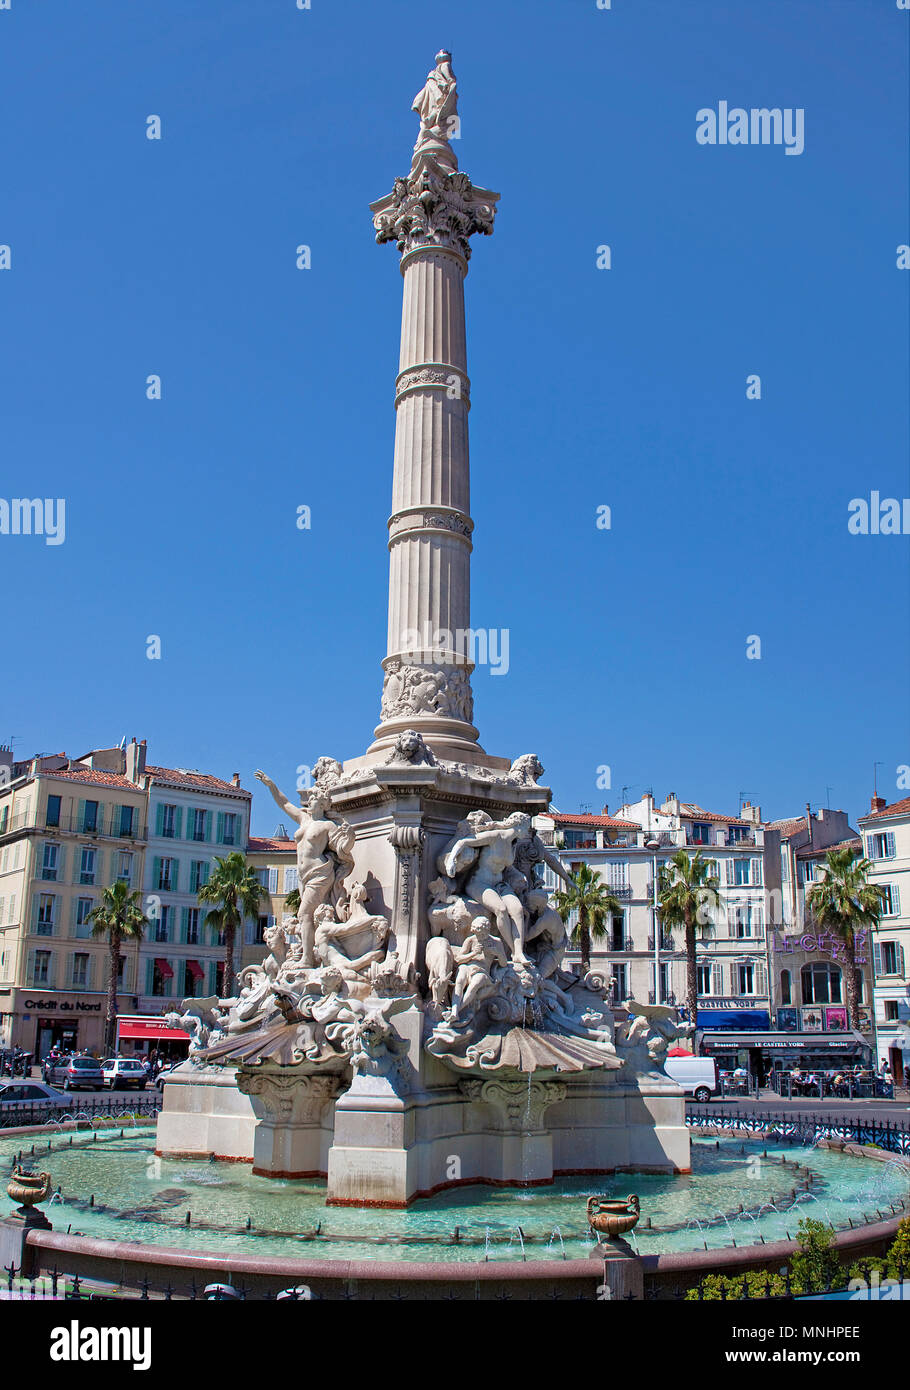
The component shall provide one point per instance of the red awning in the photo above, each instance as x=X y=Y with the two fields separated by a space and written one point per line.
x=679 y=1052
x=195 y=969
x=149 y=1030
x=163 y=968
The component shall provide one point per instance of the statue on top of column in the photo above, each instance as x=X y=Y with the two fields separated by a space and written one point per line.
x=437 y=103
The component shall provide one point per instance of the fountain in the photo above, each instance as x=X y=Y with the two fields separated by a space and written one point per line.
x=413 y=1026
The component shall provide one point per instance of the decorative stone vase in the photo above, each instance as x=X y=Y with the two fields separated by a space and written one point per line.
x=613 y=1218
x=28 y=1188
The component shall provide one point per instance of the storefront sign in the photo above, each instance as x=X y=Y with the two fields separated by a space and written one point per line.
x=825 y=942
x=51 y=1005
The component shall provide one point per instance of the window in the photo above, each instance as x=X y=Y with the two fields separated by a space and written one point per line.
x=163 y=923
x=4 y=817
x=618 y=932
x=192 y=926
x=892 y=1010
x=880 y=846
x=808 y=870
x=121 y=972
x=49 y=862
x=80 y=970
x=620 y=981
x=125 y=867
x=167 y=875
x=745 y=973
x=891 y=958
x=703 y=976
x=229 y=829
x=290 y=880
x=701 y=834
x=83 y=908
x=87 y=866
x=891 y=900
x=47 y=914
x=167 y=817
x=263 y=876
x=42 y=967
x=742 y=875
x=741 y=924
x=160 y=981
x=52 y=814
x=89 y=816
x=199 y=874
x=617 y=874
x=821 y=983
x=197 y=825
x=786 y=987
x=126 y=820
x=261 y=924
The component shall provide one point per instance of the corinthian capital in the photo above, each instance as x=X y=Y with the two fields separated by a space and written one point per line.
x=434 y=208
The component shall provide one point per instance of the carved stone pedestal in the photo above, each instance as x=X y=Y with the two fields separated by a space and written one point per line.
x=14 y=1231
x=294 y=1116
x=623 y=1273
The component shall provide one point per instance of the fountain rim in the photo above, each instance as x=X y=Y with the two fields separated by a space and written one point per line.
x=694 y=1262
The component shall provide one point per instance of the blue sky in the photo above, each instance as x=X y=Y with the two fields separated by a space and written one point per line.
x=624 y=387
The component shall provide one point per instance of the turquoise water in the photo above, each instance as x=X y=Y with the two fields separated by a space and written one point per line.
x=138 y=1197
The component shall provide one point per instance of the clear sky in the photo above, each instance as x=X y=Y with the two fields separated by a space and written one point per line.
x=623 y=387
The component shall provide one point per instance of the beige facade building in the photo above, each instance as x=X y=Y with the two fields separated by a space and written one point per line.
x=275 y=861
x=66 y=832
x=886 y=837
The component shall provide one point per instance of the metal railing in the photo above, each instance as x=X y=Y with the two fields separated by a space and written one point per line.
x=891 y=1135
x=109 y=826
x=22 y=1113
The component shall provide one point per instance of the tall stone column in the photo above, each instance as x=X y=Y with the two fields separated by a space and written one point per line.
x=431 y=216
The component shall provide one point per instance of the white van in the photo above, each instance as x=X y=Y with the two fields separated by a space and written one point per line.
x=696 y=1075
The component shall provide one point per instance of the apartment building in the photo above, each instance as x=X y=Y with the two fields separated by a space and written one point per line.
x=72 y=826
x=808 y=989
x=66 y=832
x=886 y=839
x=275 y=862
x=193 y=818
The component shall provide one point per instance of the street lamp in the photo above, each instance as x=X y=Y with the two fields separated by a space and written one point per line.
x=654 y=846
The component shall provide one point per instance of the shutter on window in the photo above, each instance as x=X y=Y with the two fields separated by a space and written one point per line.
x=184 y=924
x=876 y=958
x=717 y=979
x=81 y=821
x=899 y=952
x=756 y=872
x=219 y=834
x=273 y=880
x=889 y=844
x=156 y=874
x=175 y=875
x=178 y=822
x=729 y=870
x=761 y=986
x=896 y=901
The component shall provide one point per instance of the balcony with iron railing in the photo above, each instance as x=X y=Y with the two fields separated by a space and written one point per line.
x=666 y=942
x=111 y=826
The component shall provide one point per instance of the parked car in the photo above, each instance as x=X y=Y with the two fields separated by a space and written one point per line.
x=696 y=1075
x=83 y=1072
x=53 y=1068
x=31 y=1093
x=120 y=1073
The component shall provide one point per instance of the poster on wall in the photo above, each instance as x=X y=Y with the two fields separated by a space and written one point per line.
x=835 y=1020
x=812 y=1020
x=788 y=1020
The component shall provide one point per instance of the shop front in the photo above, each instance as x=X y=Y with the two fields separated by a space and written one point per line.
x=763 y=1054
x=148 y=1035
x=44 y=1020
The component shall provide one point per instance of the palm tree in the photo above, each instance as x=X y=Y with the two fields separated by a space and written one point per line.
x=589 y=896
x=119 y=917
x=234 y=892
x=292 y=901
x=688 y=896
x=843 y=903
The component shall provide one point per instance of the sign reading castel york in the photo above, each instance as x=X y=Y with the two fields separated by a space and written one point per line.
x=47 y=1006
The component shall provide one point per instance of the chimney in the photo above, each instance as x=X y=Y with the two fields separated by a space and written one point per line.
x=878 y=804
x=135 y=760
x=605 y=811
x=235 y=779
x=809 y=821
